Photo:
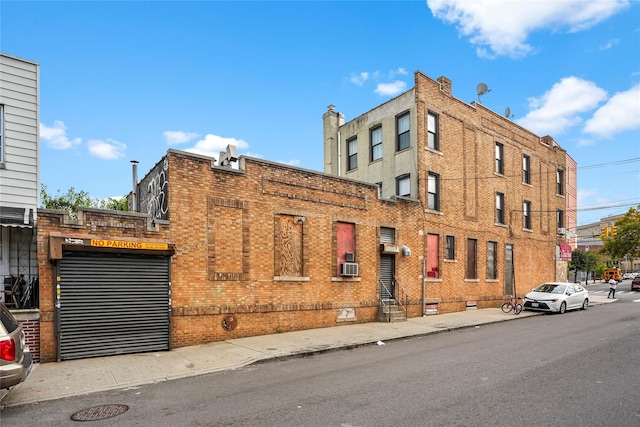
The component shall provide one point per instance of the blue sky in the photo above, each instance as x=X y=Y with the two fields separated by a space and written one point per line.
x=128 y=80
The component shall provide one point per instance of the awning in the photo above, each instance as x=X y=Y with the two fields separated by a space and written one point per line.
x=16 y=217
x=16 y=225
x=565 y=252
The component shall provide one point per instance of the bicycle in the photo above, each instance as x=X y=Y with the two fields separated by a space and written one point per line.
x=25 y=301
x=512 y=304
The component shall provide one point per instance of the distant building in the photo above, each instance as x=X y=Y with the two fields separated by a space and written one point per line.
x=589 y=238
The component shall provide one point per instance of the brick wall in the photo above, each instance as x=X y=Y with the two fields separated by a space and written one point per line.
x=30 y=321
x=91 y=223
x=227 y=221
x=465 y=163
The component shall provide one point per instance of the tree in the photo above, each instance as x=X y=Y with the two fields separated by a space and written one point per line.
x=578 y=261
x=72 y=200
x=626 y=242
x=593 y=259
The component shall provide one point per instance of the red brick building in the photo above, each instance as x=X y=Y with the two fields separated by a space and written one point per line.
x=256 y=250
x=215 y=252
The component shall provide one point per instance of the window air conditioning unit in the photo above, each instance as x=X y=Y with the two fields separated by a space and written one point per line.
x=562 y=231
x=349 y=269
x=350 y=257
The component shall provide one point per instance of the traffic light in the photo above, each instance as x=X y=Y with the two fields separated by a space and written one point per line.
x=604 y=232
x=614 y=230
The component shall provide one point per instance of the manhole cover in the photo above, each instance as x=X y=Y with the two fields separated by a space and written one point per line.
x=101 y=412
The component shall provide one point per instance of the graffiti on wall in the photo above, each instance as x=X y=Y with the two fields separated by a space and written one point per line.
x=154 y=192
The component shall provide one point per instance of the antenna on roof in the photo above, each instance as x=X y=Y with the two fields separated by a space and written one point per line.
x=482 y=89
x=507 y=113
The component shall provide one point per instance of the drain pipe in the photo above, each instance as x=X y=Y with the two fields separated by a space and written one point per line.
x=134 y=171
x=424 y=297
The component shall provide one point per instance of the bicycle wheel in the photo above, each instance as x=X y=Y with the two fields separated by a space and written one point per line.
x=518 y=309
x=506 y=307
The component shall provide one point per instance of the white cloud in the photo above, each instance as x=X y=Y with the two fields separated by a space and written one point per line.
x=212 y=145
x=390 y=89
x=621 y=113
x=359 y=78
x=559 y=108
x=292 y=162
x=609 y=44
x=108 y=149
x=178 y=136
x=584 y=142
x=501 y=27
x=382 y=88
x=56 y=136
x=399 y=72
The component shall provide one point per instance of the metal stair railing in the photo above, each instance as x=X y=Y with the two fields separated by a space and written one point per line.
x=385 y=303
x=402 y=295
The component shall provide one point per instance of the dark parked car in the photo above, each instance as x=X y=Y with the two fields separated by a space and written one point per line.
x=635 y=284
x=15 y=357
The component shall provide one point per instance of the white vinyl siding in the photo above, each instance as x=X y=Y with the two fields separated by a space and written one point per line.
x=20 y=155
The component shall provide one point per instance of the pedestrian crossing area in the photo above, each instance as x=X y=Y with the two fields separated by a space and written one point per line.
x=618 y=293
x=606 y=291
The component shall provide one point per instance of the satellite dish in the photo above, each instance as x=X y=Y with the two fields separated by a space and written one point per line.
x=482 y=89
x=507 y=112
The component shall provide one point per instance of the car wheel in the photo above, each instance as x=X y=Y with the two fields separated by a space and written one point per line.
x=585 y=304
x=563 y=307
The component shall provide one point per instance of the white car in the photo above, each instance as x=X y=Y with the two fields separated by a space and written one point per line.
x=557 y=297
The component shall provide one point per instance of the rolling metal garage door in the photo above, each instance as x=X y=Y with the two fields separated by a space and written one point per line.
x=387 y=269
x=112 y=304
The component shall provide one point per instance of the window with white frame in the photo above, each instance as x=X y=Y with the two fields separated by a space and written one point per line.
x=376 y=143
x=352 y=153
x=432 y=132
x=526 y=169
x=560 y=182
x=403 y=185
x=526 y=215
x=403 y=129
x=433 y=190
x=500 y=208
x=499 y=158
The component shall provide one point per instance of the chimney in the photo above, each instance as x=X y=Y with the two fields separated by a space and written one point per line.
x=134 y=171
x=445 y=85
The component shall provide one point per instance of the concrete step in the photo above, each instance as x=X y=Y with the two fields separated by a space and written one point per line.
x=391 y=314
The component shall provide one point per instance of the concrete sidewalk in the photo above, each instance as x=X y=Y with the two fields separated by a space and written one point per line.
x=50 y=381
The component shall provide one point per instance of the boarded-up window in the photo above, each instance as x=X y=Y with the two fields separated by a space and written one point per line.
x=345 y=244
x=288 y=246
x=492 y=261
x=472 y=259
x=433 y=241
x=508 y=270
